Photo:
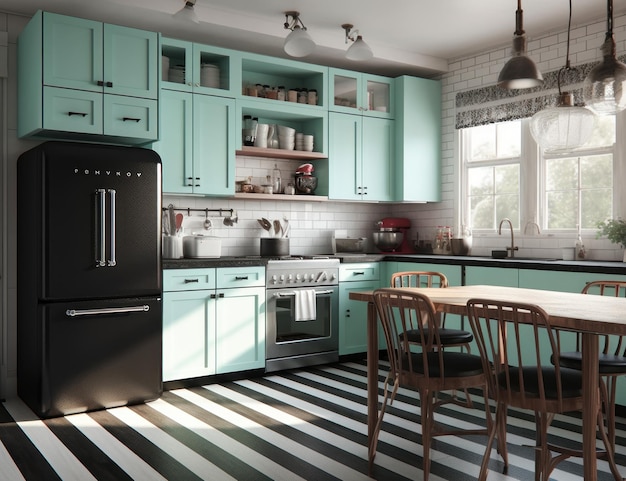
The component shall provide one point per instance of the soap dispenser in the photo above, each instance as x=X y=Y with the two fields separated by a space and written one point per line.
x=276 y=180
x=580 y=247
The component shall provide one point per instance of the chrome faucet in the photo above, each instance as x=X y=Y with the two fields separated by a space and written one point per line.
x=513 y=247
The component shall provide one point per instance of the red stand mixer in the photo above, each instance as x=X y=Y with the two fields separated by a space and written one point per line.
x=393 y=225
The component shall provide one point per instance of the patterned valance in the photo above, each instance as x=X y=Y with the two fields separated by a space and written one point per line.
x=491 y=104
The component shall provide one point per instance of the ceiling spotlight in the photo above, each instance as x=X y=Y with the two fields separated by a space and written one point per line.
x=566 y=126
x=603 y=89
x=298 y=43
x=187 y=13
x=520 y=72
x=359 y=50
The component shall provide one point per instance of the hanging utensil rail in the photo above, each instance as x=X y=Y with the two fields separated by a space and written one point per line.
x=189 y=210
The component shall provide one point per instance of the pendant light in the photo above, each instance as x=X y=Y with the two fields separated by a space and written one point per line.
x=520 y=72
x=566 y=126
x=359 y=50
x=298 y=43
x=603 y=89
x=187 y=13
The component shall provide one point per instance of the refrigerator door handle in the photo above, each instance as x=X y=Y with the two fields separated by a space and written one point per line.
x=101 y=228
x=112 y=262
x=106 y=310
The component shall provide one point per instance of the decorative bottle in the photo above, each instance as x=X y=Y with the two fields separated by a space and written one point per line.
x=276 y=180
x=580 y=247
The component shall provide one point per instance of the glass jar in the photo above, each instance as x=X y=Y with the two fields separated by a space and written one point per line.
x=312 y=97
x=281 y=95
x=303 y=96
x=292 y=95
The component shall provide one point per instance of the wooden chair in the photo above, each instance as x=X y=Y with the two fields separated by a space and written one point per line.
x=449 y=337
x=518 y=355
x=612 y=359
x=429 y=369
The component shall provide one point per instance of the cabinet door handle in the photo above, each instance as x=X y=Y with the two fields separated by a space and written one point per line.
x=215 y=296
x=82 y=114
x=358 y=273
x=125 y=119
x=189 y=281
x=104 y=84
x=241 y=278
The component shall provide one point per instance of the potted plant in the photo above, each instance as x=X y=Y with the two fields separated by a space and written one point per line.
x=615 y=231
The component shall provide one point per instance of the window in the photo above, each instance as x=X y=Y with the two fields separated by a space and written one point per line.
x=492 y=157
x=504 y=174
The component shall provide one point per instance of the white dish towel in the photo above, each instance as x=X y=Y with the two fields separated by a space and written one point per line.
x=305 y=305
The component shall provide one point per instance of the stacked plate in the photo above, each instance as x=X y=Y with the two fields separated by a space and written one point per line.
x=210 y=75
x=177 y=74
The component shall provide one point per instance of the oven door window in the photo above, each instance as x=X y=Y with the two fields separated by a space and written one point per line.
x=290 y=330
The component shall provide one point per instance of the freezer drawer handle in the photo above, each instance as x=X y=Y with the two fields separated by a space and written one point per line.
x=288 y=294
x=106 y=310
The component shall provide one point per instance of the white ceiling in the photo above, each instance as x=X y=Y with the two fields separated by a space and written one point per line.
x=415 y=37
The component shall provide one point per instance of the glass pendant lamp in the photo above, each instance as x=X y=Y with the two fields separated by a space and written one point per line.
x=603 y=89
x=566 y=126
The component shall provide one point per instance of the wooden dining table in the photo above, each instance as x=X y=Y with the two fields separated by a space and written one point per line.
x=589 y=315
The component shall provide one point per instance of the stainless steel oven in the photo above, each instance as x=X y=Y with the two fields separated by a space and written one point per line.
x=292 y=343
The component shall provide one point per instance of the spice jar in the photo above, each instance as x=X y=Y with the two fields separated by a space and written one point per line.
x=292 y=95
x=312 y=97
x=303 y=96
x=280 y=95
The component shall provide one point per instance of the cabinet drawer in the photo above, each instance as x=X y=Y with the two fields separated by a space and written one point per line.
x=130 y=117
x=369 y=271
x=188 y=279
x=229 y=277
x=72 y=110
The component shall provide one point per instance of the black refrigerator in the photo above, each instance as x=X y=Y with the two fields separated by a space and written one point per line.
x=89 y=281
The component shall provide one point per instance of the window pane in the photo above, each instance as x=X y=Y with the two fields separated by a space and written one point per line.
x=482 y=142
x=561 y=174
x=596 y=205
x=480 y=181
x=482 y=212
x=596 y=171
x=508 y=206
x=507 y=179
x=562 y=209
x=603 y=133
x=509 y=139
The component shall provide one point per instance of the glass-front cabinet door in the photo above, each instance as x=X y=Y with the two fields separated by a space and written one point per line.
x=358 y=93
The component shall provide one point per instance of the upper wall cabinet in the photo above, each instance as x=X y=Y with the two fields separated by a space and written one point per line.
x=355 y=92
x=197 y=68
x=98 y=80
x=418 y=140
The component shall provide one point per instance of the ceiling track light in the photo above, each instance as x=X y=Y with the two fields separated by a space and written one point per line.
x=520 y=72
x=603 y=89
x=359 y=50
x=298 y=43
x=566 y=126
x=187 y=13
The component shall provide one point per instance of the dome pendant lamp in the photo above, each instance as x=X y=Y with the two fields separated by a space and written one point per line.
x=187 y=13
x=603 y=89
x=566 y=126
x=520 y=72
x=298 y=43
x=359 y=50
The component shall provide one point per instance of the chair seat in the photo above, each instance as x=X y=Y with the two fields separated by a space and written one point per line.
x=448 y=337
x=609 y=364
x=455 y=364
x=571 y=382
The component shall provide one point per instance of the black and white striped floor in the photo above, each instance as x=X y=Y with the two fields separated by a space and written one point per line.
x=307 y=424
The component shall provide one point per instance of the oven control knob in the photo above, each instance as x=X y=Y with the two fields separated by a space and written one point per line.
x=282 y=278
x=274 y=279
x=298 y=277
x=333 y=277
x=290 y=278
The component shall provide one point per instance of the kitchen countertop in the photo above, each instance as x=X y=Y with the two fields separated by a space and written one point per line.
x=601 y=267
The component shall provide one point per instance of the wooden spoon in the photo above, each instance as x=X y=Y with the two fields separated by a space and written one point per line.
x=277 y=227
x=266 y=224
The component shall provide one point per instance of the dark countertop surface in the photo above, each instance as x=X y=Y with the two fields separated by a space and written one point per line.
x=602 y=267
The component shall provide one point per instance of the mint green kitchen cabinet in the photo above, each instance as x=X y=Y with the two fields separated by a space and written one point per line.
x=355 y=277
x=198 y=68
x=79 y=79
x=494 y=276
x=213 y=321
x=418 y=139
x=360 y=93
x=197 y=143
x=361 y=158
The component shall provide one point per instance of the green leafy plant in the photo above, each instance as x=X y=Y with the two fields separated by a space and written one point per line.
x=614 y=230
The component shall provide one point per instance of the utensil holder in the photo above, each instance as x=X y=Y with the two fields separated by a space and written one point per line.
x=274 y=246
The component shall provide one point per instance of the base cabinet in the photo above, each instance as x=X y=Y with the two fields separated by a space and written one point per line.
x=210 y=330
x=353 y=314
